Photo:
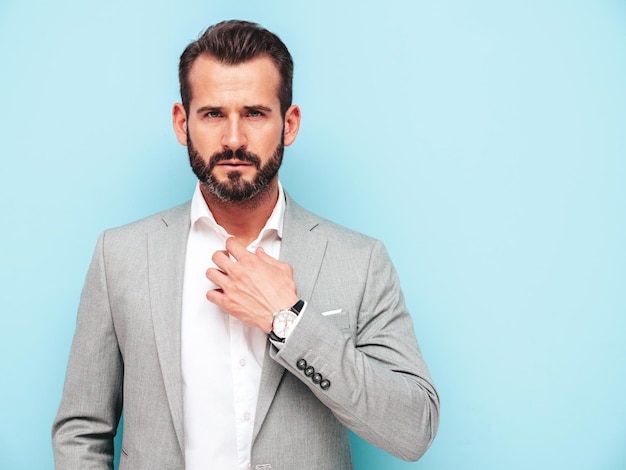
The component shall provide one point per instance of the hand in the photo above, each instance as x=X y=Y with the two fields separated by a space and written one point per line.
x=253 y=286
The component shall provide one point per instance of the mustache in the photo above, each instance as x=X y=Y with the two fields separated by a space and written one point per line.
x=240 y=154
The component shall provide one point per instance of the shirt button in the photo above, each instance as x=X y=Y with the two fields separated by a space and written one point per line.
x=242 y=362
x=246 y=416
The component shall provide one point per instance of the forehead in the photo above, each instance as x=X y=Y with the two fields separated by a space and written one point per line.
x=255 y=81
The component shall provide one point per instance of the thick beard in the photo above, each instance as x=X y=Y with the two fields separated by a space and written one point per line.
x=236 y=189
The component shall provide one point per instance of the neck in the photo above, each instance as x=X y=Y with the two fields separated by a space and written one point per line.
x=244 y=219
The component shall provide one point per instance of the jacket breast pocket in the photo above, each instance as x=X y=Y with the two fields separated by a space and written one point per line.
x=340 y=318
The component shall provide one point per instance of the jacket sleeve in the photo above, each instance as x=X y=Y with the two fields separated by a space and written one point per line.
x=83 y=430
x=379 y=385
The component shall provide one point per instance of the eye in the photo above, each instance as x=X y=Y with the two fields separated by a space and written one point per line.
x=255 y=113
x=213 y=114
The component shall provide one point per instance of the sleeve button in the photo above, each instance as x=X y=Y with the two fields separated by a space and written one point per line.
x=309 y=371
x=301 y=364
x=317 y=378
x=325 y=384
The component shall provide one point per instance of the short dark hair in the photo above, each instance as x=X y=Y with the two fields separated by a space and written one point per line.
x=234 y=42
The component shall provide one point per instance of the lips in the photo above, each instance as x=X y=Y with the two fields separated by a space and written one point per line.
x=233 y=163
x=238 y=159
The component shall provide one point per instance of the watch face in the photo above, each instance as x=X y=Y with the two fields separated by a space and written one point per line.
x=283 y=322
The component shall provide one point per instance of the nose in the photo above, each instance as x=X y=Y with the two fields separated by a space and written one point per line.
x=234 y=137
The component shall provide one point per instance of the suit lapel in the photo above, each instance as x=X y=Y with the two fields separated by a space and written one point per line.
x=166 y=260
x=303 y=249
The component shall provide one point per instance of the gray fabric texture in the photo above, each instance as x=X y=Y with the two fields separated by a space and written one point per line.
x=126 y=353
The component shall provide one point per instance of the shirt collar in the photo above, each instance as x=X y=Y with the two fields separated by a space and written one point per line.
x=201 y=212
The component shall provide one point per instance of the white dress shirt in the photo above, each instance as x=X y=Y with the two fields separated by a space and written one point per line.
x=222 y=357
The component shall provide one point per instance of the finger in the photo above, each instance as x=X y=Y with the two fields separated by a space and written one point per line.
x=236 y=248
x=222 y=260
x=215 y=296
x=262 y=254
x=217 y=277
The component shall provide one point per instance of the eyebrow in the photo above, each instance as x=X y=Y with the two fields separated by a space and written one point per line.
x=205 y=109
x=256 y=107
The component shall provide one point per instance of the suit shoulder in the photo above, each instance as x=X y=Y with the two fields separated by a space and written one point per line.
x=151 y=223
x=339 y=234
x=345 y=234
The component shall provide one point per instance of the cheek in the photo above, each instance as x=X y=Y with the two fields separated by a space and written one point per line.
x=203 y=139
x=270 y=140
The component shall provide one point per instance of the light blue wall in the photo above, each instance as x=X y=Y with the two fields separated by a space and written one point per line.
x=484 y=142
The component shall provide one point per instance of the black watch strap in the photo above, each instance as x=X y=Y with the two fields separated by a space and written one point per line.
x=276 y=338
x=297 y=308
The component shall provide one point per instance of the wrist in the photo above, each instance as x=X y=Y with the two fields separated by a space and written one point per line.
x=285 y=321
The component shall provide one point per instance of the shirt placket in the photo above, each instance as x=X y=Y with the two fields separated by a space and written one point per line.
x=244 y=414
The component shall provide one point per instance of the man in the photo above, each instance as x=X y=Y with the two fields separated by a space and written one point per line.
x=239 y=330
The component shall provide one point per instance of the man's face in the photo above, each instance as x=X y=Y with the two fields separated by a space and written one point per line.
x=236 y=188
x=234 y=131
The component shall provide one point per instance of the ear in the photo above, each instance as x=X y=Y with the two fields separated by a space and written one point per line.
x=179 y=121
x=291 y=124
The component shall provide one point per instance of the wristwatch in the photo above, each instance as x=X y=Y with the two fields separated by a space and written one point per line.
x=284 y=321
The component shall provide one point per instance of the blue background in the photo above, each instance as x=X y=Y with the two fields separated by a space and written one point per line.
x=483 y=142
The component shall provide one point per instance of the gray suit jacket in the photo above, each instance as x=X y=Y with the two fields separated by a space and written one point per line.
x=126 y=351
